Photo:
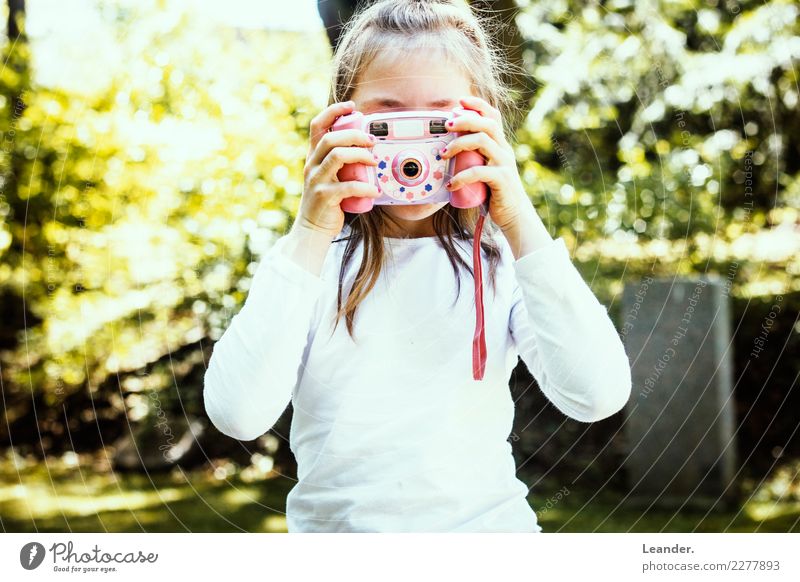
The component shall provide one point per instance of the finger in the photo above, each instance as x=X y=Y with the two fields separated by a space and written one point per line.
x=479 y=142
x=338 y=157
x=481 y=106
x=341 y=138
x=335 y=192
x=475 y=123
x=494 y=176
x=325 y=118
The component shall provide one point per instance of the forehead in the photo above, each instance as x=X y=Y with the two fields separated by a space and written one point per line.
x=419 y=77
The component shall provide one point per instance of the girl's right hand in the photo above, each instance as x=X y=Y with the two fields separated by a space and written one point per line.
x=323 y=193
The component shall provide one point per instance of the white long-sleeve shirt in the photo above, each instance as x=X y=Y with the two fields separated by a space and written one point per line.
x=391 y=433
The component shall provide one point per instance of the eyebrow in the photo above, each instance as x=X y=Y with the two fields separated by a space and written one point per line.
x=389 y=102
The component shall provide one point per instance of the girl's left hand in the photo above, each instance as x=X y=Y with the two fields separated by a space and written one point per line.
x=508 y=201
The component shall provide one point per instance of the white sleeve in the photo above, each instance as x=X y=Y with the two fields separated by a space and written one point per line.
x=565 y=336
x=254 y=366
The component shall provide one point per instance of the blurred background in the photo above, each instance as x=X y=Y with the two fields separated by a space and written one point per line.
x=153 y=150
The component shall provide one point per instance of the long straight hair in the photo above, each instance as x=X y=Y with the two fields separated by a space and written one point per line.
x=406 y=25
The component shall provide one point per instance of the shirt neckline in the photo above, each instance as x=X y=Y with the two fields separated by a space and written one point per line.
x=410 y=241
x=404 y=241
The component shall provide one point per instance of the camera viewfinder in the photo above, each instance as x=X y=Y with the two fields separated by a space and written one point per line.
x=437 y=126
x=379 y=128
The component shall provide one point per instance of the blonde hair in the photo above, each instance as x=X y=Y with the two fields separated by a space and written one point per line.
x=454 y=28
x=448 y=25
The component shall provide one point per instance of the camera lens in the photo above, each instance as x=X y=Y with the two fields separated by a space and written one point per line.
x=411 y=169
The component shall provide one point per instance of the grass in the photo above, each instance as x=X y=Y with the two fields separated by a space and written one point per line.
x=69 y=494
x=59 y=498
x=609 y=512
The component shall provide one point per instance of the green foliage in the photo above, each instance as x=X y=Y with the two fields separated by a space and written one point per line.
x=140 y=210
x=665 y=136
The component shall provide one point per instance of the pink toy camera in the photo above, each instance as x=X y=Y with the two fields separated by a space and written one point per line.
x=410 y=169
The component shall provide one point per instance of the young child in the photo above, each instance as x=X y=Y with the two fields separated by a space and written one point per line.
x=390 y=430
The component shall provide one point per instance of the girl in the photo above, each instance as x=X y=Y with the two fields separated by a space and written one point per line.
x=390 y=431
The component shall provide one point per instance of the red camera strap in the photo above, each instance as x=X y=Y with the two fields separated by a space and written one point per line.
x=479 y=339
